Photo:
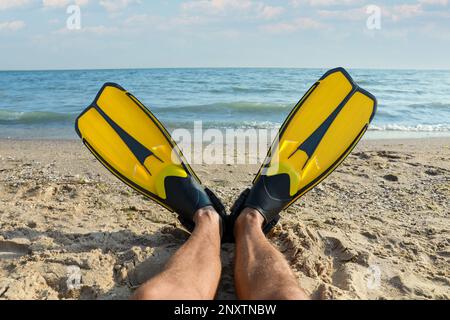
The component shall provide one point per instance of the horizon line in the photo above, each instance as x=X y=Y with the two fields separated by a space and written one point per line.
x=231 y=67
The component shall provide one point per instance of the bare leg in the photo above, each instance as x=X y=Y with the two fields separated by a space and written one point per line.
x=194 y=270
x=261 y=272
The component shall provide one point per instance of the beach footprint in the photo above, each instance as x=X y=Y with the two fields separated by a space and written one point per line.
x=12 y=250
x=435 y=171
x=362 y=155
x=393 y=156
x=32 y=192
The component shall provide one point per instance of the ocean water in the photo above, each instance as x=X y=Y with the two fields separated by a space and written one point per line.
x=44 y=104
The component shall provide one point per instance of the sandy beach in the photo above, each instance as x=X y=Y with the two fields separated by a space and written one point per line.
x=377 y=228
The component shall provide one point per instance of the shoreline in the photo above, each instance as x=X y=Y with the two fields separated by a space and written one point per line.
x=364 y=140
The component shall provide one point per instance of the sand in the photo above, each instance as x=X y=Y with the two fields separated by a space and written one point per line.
x=377 y=228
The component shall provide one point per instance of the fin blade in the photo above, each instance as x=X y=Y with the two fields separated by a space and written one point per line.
x=326 y=123
x=131 y=143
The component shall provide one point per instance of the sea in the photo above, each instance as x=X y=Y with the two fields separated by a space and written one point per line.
x=45 y=104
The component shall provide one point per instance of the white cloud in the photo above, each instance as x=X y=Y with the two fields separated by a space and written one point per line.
x=217 y=6
x=393 y=12
x=12 y=25
x=186 y=21
x=269 y=12
x=434 y=2
x=255 y=9
x=161 y=23
x=323 y=3
x=138 y=19
x=297 y=24
x=55 y=3
x=117 y=5
x=96 y=30
x=62 y=3
x=100 y=30
x=8 y=4
x=349 y=15
x=403 y=11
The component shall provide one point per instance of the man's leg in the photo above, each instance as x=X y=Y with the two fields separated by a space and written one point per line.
x=261 y=271
x=194 y=270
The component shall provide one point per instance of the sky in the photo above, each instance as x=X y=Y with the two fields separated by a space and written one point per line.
x=45 y=34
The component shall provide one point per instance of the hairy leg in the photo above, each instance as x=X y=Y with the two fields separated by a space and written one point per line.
x=261 y=271
x=194 y=270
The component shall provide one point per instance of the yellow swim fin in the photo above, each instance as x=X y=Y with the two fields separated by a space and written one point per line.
x=131 y=143
x=316 y=137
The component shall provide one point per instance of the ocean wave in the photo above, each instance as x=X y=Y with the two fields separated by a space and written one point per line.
x=259 y=125
x=252 y=90
x=397 y=91
x=275 y=125
x=242 y=90
x=369 y=82
x=8 y=117
x=189 y=125
x=220 y=107
x=431 y=106
x=414 y=128
x=387 y=114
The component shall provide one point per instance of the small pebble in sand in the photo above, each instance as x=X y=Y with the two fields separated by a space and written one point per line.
x=432 y=172
x=391 y=177
x=32 y=224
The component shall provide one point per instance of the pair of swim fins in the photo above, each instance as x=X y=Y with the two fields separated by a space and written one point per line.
x=319 y=133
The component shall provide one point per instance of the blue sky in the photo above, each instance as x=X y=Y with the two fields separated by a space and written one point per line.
x=224 y=33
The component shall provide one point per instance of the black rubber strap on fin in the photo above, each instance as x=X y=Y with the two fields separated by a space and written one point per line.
x=239 y=205
x=185 y=196
x=269 y=226
x=269 y=195
x=194 y=199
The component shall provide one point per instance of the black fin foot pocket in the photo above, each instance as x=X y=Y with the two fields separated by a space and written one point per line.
x=239 y=205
